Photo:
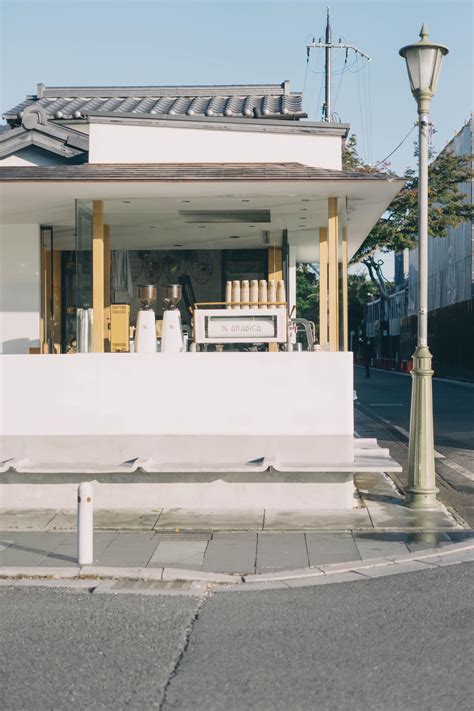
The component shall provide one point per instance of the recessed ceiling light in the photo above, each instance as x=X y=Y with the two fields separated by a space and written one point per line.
x=303 y=218
x=245 y=200
x=304 y=209
x=305 y=200
x=126 y=202
x=177 y=245
x=234 y=237
x=251 y=225
x=202 y=227
x=185 y=200
x=302 y=225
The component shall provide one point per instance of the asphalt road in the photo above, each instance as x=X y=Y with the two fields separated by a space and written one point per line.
x=387 y=395
x=398 y=642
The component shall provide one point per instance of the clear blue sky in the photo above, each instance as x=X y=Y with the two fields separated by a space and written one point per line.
x=103 y=42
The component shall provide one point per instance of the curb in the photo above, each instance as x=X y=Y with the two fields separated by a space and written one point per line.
x=357 y=570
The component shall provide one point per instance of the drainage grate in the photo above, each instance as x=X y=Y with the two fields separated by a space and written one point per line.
x=151 y=585
x=171 y=536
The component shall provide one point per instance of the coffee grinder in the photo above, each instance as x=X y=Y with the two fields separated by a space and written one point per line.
x=145 y=336
x=172 y=336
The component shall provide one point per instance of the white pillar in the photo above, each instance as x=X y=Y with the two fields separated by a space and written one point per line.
x=85 y=524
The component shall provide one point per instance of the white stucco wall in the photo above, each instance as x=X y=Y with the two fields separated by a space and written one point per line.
x=160 y=144
x=32 y=156
x=20 y=295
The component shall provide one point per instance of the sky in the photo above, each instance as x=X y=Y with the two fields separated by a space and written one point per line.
x=157 y=42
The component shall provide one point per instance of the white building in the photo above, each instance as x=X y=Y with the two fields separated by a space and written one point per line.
x=106 y=189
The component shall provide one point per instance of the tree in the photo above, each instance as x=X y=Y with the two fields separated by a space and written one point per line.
x=397 y=229
x=307 y=295
x=307 y=291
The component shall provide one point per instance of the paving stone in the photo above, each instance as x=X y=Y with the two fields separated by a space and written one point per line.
x=331 y=548
x=396 y=516
x=30 y=548
x=67 y=551
x=231 y=553
x=210 y=520
x=277 y=551
x=317 y=520
x=378 y=544
x=28 y=519
x=395 y=569
x=124 y=520
x=425 y=540
x=129 y=549
x=183 y=554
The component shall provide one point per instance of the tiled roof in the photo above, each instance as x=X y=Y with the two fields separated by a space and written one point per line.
x=183 y=172
x=238 y=101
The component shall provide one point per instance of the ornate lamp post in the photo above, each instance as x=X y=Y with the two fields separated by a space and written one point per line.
x=423 y=61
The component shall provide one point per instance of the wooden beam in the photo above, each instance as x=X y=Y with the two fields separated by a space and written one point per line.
x=345 y=292
x=98 y=276
x=107 y=314
x=323 y=286
x=333 y=239
x=275 y=273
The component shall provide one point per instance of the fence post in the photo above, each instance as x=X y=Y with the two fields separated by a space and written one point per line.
x=85 y=524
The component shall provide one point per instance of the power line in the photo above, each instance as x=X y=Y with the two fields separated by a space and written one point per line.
x=396 y=149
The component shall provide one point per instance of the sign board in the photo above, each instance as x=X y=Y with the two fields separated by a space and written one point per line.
x=240 y=326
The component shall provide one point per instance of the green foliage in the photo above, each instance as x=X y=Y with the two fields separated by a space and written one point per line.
x=397 y=229
x=307 y=295
x=307 y=292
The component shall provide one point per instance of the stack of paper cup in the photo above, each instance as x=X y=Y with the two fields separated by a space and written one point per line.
x=245 y=293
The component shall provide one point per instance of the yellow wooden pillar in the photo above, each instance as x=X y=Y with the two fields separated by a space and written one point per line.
x=107 y=287
x=275 y=273
x=98 y=276
x=333 y=240
x=275 y=264
x=323 y=286
x=345 y=294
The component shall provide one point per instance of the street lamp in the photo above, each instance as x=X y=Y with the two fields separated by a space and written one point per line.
x=423 y=61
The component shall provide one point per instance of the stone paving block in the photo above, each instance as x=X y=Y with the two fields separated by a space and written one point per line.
x=331 y=548
x=28 y=519
x=182 y=554
x=277 y=551
x=129 y=549
x=67 y=551
x=123 y=519
x=397 y=516
x=378 y=544
x=210 y=520
x=30 y=548
x=425 y=540
x=317 y=520
x=231 y=553
x=395 y=569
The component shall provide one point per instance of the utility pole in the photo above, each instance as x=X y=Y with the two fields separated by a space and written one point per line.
x=328 y=46
x=328 y=71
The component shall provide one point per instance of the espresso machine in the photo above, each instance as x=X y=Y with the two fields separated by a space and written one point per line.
x=145 y=335
x=171 y=335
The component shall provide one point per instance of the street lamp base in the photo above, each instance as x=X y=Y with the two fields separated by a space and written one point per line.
x=421 y=489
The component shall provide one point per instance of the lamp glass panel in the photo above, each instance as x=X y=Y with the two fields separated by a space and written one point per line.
x=427 y=64
x=436 y=70
x=413 y=67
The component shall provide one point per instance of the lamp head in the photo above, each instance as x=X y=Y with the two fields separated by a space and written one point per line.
x=423 y=61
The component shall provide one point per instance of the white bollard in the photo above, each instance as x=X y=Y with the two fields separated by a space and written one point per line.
x=85 y=524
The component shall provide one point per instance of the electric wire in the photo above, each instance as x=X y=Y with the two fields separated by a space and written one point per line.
x=397 y=147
